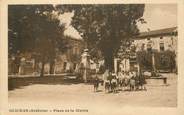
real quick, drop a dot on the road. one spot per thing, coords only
(81, 95)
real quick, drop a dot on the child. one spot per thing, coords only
(96, 83)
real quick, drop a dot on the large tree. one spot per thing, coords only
(33, 28)
(105, 27)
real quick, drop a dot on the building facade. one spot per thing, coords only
(159, 41)
(69, 60)
(64, 62)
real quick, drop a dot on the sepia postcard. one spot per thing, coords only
(91, 57)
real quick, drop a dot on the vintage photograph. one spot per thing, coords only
(92, 55)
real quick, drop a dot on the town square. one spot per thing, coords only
(79, 94)
(81, 55)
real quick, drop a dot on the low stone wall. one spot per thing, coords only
(19, 82)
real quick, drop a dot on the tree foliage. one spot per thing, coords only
(104, 27)
(164, 60)
(33, 28)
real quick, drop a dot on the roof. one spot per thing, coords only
(154, 33)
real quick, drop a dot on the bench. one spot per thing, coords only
(163, 78)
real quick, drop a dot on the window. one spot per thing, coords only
(75, 50)
(172, 40)
(64, 65)
(149, 45)
(142, 47)
(74, 66)
(161, 46)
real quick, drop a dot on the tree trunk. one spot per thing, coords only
(51, 71)
(42, 69)
(109, 62)
(36, 66)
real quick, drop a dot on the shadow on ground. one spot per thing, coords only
(14, 83)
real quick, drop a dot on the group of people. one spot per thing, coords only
(123, 81)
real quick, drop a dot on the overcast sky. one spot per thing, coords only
(157, 16)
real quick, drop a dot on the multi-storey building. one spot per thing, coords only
(157, 40)
(160, 40)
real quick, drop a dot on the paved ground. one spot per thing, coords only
(82, 95)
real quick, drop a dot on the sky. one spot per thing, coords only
(157, 16)
(71, 31)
